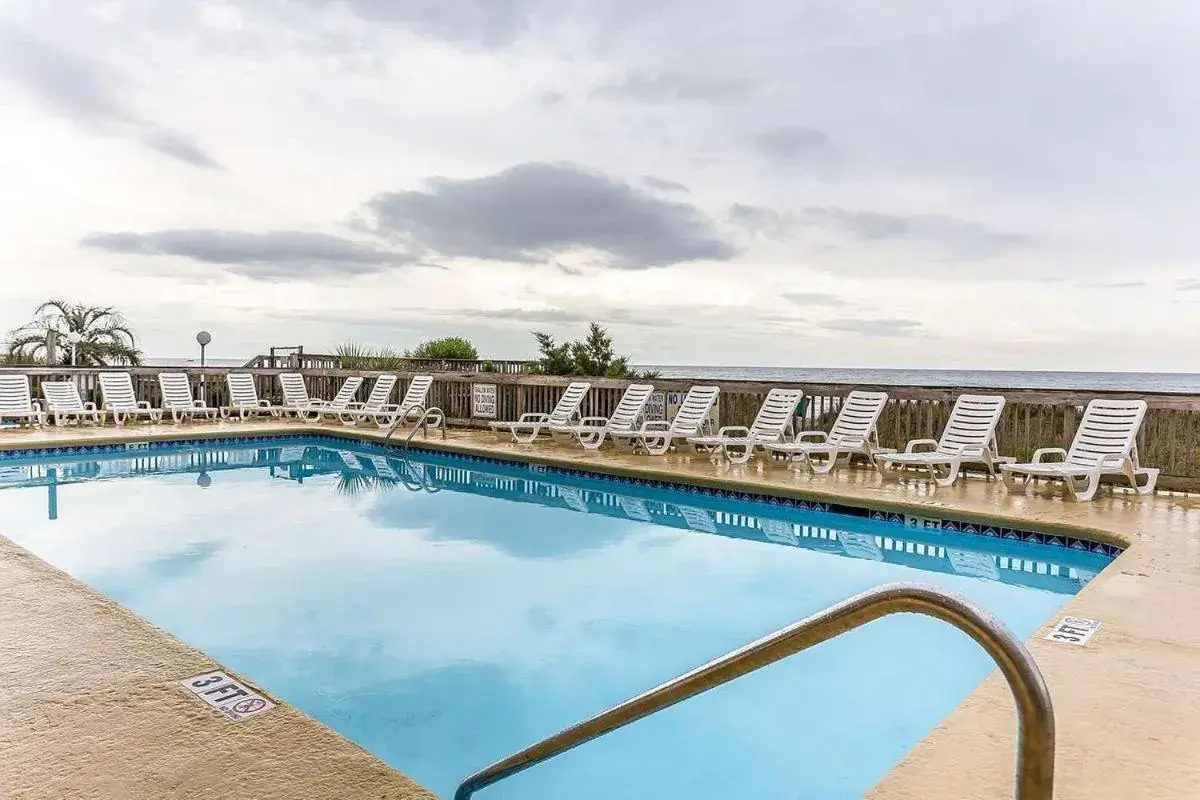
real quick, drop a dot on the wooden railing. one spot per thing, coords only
(307, 361)
(1169, 439)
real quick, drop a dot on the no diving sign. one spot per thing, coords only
(226, 695)
(1073, 630)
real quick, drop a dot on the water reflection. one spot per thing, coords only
(361, 471)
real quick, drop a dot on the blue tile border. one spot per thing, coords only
(928, 523)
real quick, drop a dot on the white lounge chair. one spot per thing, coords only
(295, 393)
(656, 437)
(64, 405)
(591, 431)
(529, 426)
(16, 402)
(1105, 443)
(339, 406)
(376, 402)
(120, 401)
(968, 438)
(775, 419)
(177, 398)
(411, 407)
(243, 398)
(853, 432)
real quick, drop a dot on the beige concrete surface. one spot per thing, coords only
(1127, 704)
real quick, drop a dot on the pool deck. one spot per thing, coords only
(94, 709)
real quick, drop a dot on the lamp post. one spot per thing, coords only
(74, 337)
(203, 338)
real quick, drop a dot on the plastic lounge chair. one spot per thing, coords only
(1105, 443)
(656, 437)
(529, 426)
(853, 432)
(591, 431)
(337, 407)
(773, 421)
(177, 398)
(411, 407)
(119, 400)
(243, 398)
(295, 393)
(968, 438)
(376, 402)
(63, 404)
(16, 403)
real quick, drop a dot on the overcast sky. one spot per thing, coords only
(909, 183)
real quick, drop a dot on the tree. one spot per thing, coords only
(449, 348)
(105, 338)
(592, 356)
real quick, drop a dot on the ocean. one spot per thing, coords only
(1175, 382)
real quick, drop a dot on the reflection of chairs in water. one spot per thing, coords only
(634, 508)
(698, 519)
(779, 531)
(573, 498)
(291, 455)
(382, 468)
(15, 474)
(350, 460)
(860, 545)
(975, 565)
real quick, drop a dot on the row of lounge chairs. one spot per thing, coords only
(1105, 442)
(63, 405)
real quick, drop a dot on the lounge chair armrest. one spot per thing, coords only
(1040, 454)
(533, 416)
(656, 425)
(90, 406)
(199, 404)
(733, 430)
(912, 446)
(355, 405)
(1111, 461)
(36, 405)
(264, 404)
(144, 405)
(819, 436)
(593, 422)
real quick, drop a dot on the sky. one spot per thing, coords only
(903, 183)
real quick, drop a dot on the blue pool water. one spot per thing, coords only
(443, 613)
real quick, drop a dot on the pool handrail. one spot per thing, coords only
(422, 424)
(1035, 712)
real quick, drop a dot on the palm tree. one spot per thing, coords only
(104, 337)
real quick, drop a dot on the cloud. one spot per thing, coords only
(481, 23)
(656, 88)
(264, 256)
(1124, 285)
(813, 299)
(1188, 286)
(551, 100)
(88, 92)
(873, 327)
(795, 143)
(535, 211)
(761, 222)
(962, 239)
(664, 185)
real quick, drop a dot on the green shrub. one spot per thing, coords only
(449, 348)
(591, 356)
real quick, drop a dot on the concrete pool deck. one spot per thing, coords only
(1127, 704)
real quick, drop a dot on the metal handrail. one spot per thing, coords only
(1035, 713)
(422, 422)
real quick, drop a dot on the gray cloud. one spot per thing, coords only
(664, 185)
(964, 239)
(1189, 286)
(535, 211)
(87, 92)
(556, 316)
(269, 255)
(766, 223)
(795, 143)
(179, 147)
(670, 85)
(873, 327)
(551, 100)
(814, 299)
(1124, 285)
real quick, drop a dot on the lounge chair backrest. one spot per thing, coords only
(295, 393)
(346, 393)
(62, 396)
(117, 388)
(176, 390)
(242, 391)
(1108, 428)
(776, 413)
(14, 394)
(856, 420)
(568, 405)
(972, 424)
(417, 392)
(627, 413)
(693, 412)
(381, 392)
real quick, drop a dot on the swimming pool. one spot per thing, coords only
(443, 612)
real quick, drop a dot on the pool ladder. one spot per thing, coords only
(422, 424)
(1035, 714)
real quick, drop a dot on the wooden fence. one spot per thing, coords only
(1169, 440)
(317, 361)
